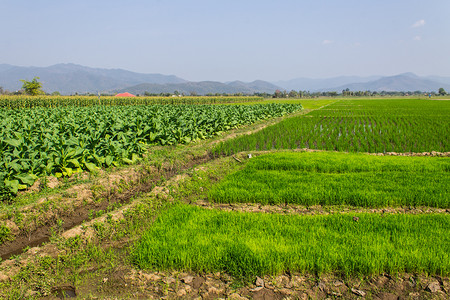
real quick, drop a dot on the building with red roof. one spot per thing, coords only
(125, 95)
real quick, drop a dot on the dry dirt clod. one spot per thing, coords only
(433, 287)
(356, 219)
(259, 282)
(381, 281)
(236, 296)
(188, 279)
(358, 292)
(338, 283)
(3, 277)
(197, 282)
(181, 293)
(322, 286)
(386, 296)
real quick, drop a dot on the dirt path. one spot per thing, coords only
(292, 209)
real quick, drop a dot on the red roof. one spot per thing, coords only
(125, 95)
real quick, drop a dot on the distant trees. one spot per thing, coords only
(442, 92)
(33, 87)
(278, 94)
(293, 94)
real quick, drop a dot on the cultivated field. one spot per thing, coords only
(333, 178)
(376, 126)
(298, 199)
(64, 140)
(12, 102)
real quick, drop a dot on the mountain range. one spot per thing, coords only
(204, 87)
(402, 82)
(71, 78)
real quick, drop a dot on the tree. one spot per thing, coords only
(293, 94)
(277, 94)
(33, 87)
(442, 92)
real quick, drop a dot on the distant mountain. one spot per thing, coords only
(403, 82)
(72, 78)
(4, 67)
(310, 84)
(203, 87)
(445, 80)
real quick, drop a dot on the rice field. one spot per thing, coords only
(376, 126)
(330, 178)
(249, 244)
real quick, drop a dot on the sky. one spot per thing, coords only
(231, 40)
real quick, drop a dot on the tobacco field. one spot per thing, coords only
(64, 140)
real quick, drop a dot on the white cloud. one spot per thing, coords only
(419, 23)
(417, 38)
(327, 42)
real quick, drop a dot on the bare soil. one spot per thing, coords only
(125, 282)
(293, 209)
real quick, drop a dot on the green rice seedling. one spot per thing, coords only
(190, 238)
(357, 126)
(330, 178)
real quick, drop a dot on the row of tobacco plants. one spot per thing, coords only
(63, 140)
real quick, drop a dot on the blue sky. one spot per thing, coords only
(231, 40)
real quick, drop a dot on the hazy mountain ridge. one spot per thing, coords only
(317, 84)
(402, 83)
(204, 87)
(72, 78)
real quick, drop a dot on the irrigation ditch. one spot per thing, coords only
(66, 220)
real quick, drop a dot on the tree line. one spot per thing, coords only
(34, 88)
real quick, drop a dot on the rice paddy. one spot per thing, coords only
(248, 244)
(330, 178)
(376, 126)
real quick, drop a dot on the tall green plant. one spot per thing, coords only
(33, 87)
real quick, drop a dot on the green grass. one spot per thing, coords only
(249, 244)
(330, 178)
(411, 125)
